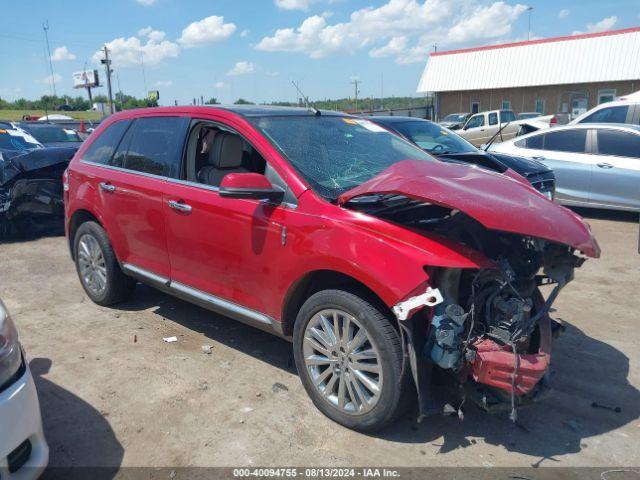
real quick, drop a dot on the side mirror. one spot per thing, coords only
(251, 186)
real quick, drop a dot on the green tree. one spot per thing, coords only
(242, 101)
(213, 101)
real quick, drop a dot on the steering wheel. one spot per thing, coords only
(438, 148)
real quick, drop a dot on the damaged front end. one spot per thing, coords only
(483, 334)
(31, 196)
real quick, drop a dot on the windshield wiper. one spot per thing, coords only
(499, 132)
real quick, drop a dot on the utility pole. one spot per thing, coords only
(107, 65)
(381, 91)
(45, 27)
(355, 81)
(529, 29)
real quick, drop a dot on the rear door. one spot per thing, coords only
(565, 152)
(616, 175)
(130, 186)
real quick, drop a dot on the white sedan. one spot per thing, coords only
(24, 453)
(596, 165)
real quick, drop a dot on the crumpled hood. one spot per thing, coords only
(14, 162)
(496, 201)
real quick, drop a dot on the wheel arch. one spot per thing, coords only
(324, 279)
(79, 217)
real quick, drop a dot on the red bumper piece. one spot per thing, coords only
(494, 364)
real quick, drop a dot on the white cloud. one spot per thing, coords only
(606, 23)
(146, 3)
(245, 32)
(62, 53)
(564, 13)
(395, 46)
(241, 68)
(220, 85)
(153, 35)
(294, 4)
(164, 83)
(389, 28)
(272, 73)
(47, 80)
(208, 30)
(128, 52)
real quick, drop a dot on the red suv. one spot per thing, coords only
(384, 266)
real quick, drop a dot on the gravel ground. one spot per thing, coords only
(114, 394)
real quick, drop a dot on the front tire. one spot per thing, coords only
(349, 358)
(98, 268)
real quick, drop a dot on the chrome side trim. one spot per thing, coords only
(145, 275)
(216, 303)
(206, 300)
(151, 175)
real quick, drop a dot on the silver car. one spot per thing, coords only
(596, 165)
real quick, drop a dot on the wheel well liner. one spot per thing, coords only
(316, 281)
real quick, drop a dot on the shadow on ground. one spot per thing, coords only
(78, 435)
(613, 215)
(584, 370)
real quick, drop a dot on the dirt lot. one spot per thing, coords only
(110, 400)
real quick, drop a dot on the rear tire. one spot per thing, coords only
(98, 268)
(352, 372)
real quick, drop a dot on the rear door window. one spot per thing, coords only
(493, 118)
(156, 146)
(566, 141)
(618, 143)
(609, 115)
(102, 148)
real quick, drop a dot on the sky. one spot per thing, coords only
(254, 49)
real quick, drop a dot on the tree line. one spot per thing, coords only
(126, 102)
(121, 100)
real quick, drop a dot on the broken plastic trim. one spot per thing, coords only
(430, 298)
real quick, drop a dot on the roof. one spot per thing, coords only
(394, 119)
(273, 111)
(593, 57)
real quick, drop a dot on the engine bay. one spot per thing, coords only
(491, 333)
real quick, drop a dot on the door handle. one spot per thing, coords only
(179, 206)
(538, 157)
(107, 187)
(605, 165)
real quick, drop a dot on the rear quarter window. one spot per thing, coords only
(102, 148)
(531, 142)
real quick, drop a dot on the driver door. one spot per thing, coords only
(224, 247)
(475, 130)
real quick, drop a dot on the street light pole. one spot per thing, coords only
(529, 29)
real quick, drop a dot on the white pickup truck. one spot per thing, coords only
(481, 127)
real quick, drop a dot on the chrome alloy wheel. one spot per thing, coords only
(343, 361)
(93, 268)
